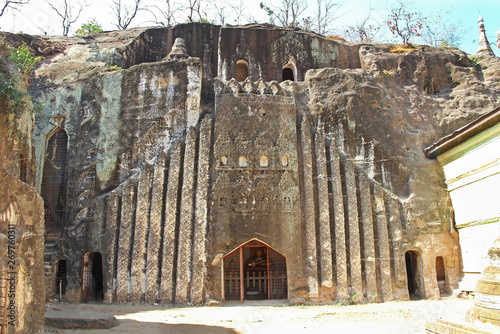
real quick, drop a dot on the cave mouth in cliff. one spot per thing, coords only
(289, 72)
(92, 279)
(255, 271)
(414, 275)
(241, 70)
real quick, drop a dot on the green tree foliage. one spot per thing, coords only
(23, 59)
(91, 27)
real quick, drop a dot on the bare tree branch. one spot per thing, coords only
(167, 9)
(326, 14)
(287, 13)
(124, 14)
(68, 13)
(12, 4)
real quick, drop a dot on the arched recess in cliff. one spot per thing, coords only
(92, 277)
(255, 271)
(53, 188)
(414, 274)
(289, 72)
(241, 70)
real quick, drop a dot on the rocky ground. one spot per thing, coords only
(273, 317)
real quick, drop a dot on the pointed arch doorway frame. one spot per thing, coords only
(254, 270)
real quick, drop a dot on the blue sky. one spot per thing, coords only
(38, 18)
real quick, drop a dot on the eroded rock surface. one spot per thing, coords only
(325, 171)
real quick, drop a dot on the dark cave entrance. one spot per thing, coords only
(414, 275)
(92, 279)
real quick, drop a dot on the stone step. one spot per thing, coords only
(58, 318)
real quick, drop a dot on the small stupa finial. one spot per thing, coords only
(484, 47)
(178, 50)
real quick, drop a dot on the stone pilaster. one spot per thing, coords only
(155, 224)
(383, 244)
(339, 220)
(396, 230)
(354, 237)
(201, 213)
(368, 239)
(138, 265)
(124, 243)
(109, 244)
(183, 278)
(325, 238)
(171, 204)
(309, 210)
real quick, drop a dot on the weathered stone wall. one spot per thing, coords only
(165, 194)
(255, 191)
(21, 219)
(116, 123)
(267, 49)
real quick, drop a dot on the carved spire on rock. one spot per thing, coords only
(178, 50)
(484, 46)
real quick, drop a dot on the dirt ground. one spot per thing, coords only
(274, 317)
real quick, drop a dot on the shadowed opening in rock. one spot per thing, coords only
(441, 277)
(241, 70)
(414, 275)
(61, 280)
(92, 279)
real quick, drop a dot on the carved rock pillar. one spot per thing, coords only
(401, 284)
(201, 213)
(109, 243)
(186, 220)
(325, 239)
(338, 212)
(309, 209)
(126, 227)
(383, 245)
(368, 239)
(171, 203)
(138, 264)
(155, 225)
(354, 237)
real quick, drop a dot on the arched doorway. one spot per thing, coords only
(255, 271)
(92, 279)
(441, 277)
(241, 70)
(289, 72)
(61, 280)
(54, 183)
(414, 275)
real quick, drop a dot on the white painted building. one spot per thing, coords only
(471, 162)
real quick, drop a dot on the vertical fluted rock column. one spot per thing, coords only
(183, 278)
(309, 210)
(368, 239)
(383, 245)
(109, 242)
(171, 205)
(396, 230)
(339, 219)
(124, 243)
(354, 237)
(325, 238)
(138, 267)
(201, 212)
(154, 238)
